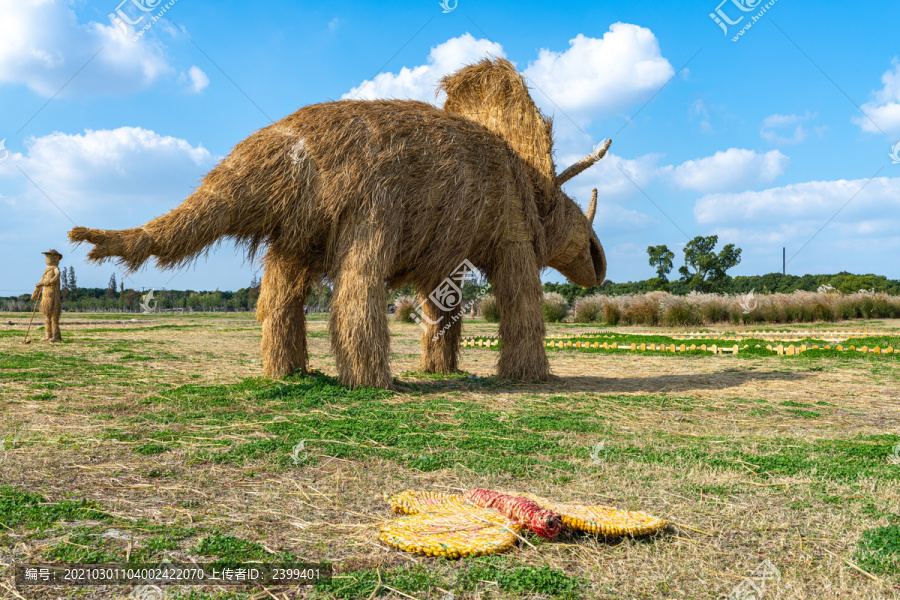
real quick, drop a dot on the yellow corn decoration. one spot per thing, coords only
(447, 525)
(602, 520)
(452, 535)
(411, 502)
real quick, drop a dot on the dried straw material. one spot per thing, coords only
(451, 535)
(582, 165)
(411, 502)
(48, 288)
(386, 193)
(494, 94)
(440, 347)
(602, 520)
(285, 287)
(523, 511)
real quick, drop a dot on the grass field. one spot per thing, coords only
(157, 438)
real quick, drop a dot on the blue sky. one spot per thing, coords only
(781, 138)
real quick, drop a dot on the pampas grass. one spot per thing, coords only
(589, 309)
(662, 308)
(404, 306)
(487, 308)
(554, 307)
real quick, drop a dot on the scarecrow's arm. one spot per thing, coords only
(51, 276)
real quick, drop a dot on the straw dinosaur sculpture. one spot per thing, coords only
(369, 194)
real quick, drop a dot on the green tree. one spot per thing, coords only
(253, 291)
(239, 300)
(194, 299)
(64, 284)
(111, 286)
(73, 284)
(320, 295)
(704, 270)
(661, 259)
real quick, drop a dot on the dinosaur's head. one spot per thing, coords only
(574, 249)
(577, 253)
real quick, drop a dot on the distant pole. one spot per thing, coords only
(784, 260)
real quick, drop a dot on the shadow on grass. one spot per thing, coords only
(721, 380)
(669, 383)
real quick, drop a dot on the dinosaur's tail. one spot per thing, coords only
(174, 239)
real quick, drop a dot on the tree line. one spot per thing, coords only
(704, 270)
(116, 297)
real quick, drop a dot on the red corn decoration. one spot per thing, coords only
(523, 511)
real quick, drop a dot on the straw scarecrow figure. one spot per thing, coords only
(373, 195)
(50, 302)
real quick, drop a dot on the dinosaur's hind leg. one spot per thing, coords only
(440, 340)
(285, 286)
(360, 338)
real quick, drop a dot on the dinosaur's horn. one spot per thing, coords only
(583, 164)
(592, 207)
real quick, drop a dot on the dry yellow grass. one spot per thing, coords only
(726, 521)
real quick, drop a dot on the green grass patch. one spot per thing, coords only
(844, 461)
(87, 545)
(470, 577)
(23, 509)
(74, 371)
(426, 433)
(101, 544)
(446, 430)
(147, 328)
(151, 448)
(878, 550)
(230, 550)
(806, 414)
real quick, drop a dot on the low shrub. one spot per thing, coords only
(589, 309)
(662, 308)
(554, 307)
(612, 314)
(404, 307)
(488, 309)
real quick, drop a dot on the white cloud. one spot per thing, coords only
(199, 80)
(882, 113)
(699, 109)
(813, 201)
(419, 83)
(595, 77)
(602, 76)
(772, 123)
(612, 217)
(617, 178)
(732, 169)
(121, 169)
(612, 176)
(333, 24)
(42, 46)
(112, 179)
